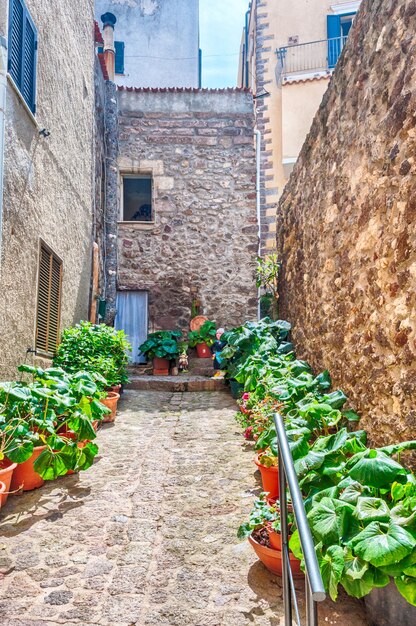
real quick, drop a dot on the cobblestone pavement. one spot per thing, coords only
(147, 536)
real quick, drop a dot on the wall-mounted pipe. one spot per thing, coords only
(257, 134)
(3, 88)
(245, 66)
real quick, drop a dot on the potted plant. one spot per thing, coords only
(202, 339)
(36, 419)
(161, 346)
(263, 532)
(95, 348)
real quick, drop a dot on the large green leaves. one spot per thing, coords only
(332, 565)
(407, 587)
(375, 469)
(329, 519)
(383, 544)
(372, 509)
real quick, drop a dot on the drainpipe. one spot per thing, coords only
(3, 85)
(257, 134)
(108, 20)
(245, 69)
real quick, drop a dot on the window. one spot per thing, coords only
(338, 27)
(119, 60)
(137, 199)
(49, 301)
(22, 53)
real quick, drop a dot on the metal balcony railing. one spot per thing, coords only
(314, 587)
(312, 56)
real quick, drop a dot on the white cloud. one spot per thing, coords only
(221, 27)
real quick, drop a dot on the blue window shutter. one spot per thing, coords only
(333, 23)
(16, 30)
(29, 63)
(22, 53)
(119, 61)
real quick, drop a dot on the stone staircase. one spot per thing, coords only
(198, 378)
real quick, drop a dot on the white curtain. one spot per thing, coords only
(132, 318)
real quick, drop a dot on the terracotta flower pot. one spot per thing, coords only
(111, 403)
(160, 367)
(275, 539)
(24, 476)
(269, 478)
(272, 559)
(6, 472)
(2, 490)
(203, 351)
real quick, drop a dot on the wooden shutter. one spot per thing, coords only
(49, 301)
(119, 57)
(22, 56)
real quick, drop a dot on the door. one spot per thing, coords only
(132, 317)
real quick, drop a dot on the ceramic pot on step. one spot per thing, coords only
(24, 476)
(160, 367)
(6, 472)
(269, 478)
(203, 351)
(111, 403)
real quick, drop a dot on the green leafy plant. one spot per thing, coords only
(162, 344)
(361, 502)
(206, 334)
(94, 348)
(54, 409)
(268, 278)
(265, 515)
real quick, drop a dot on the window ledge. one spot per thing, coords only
(23, 101)
(138, 225)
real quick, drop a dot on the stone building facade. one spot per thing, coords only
(346, 228)
(157, 42)
(288, 52)
(48, 172)
(202, 239)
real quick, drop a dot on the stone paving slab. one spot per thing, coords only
(147, 536)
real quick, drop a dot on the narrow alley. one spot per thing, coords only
(147, 535)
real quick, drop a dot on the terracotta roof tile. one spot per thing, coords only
(183, 89)
(98, 38)
(103, 65)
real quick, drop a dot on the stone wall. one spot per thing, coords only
(346, 226)
(48, 181)
(199, 148)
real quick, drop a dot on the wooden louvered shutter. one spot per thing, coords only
(49, 301)
(119, 57)
(16, 28)
(22, 56)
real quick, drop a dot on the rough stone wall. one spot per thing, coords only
(199, 148)
(347, 224)
(100, 170)
(48, 181)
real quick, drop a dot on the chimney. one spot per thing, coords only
(108, 20)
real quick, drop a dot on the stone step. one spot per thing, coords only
(174, 384)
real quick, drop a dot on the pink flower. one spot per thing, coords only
(245, 396)
(248, 432)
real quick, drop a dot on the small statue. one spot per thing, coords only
(183, 357)
(216, 348)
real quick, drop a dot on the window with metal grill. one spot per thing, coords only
(22, 52)
(49, 301)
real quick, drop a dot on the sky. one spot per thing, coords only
(221, 27)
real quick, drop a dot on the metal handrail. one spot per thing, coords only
(314, 587)
(319, 55)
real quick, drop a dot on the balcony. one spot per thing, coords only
(310, 57)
